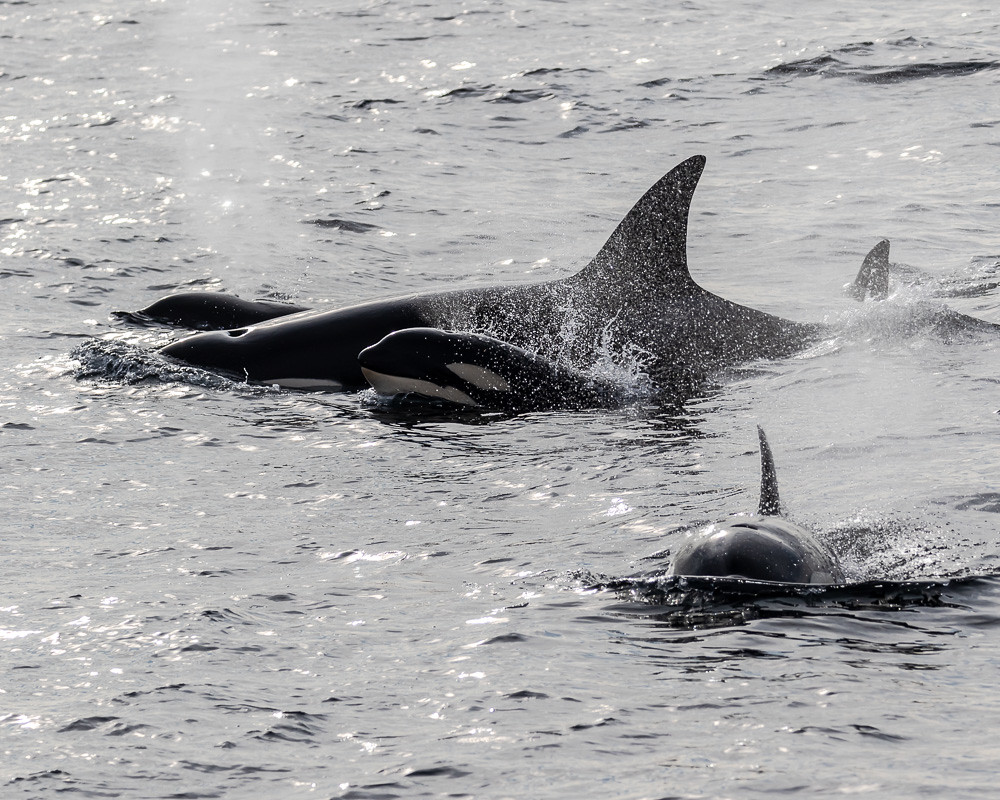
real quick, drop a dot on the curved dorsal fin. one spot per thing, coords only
(770, 504)
(649, 246)
(873, 277)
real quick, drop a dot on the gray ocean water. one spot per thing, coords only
(218, 590)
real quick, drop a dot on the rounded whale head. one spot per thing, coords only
(757, 549)
(760, 547)
(477, 371)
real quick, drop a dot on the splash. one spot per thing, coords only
(909, 315)
(625, 365)
(566, 336)
(115, 361)
(899, 548)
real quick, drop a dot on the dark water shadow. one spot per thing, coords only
(696, 603)
(662, 410)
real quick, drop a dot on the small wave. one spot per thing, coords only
(521, 96)
(347, 225)
(531, 73)
(371, 102)
(464, 92)
(830, 66)
(491, 93)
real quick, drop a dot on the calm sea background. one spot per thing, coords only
(214, 590)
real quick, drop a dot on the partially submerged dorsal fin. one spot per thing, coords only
(649, 246)
(873, 277)
(770, 504)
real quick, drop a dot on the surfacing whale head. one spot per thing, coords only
(761, 547)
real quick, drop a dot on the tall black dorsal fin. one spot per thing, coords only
(873, 277)
(770, 504)
(649, 246)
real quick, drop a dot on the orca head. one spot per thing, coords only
(468, 369)
(759, 547)
(756, 548)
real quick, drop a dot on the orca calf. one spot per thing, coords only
(209, 311)
(636, 293)
(478, 371)
(764, 547)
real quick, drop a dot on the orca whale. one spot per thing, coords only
(764, 547)
(873, 277)
(872, 282)
(210, 311)
(479, 371)
(636, 293)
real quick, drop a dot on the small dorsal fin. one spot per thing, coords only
(873, 277)
(649, 246)
(770, 504)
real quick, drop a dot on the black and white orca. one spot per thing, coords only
(209, 311)
(636, 293)
(764, 547)
(478, 371)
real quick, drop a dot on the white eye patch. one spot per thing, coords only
(394, 384)
(480, 377)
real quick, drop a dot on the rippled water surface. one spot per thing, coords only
(219, 590)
